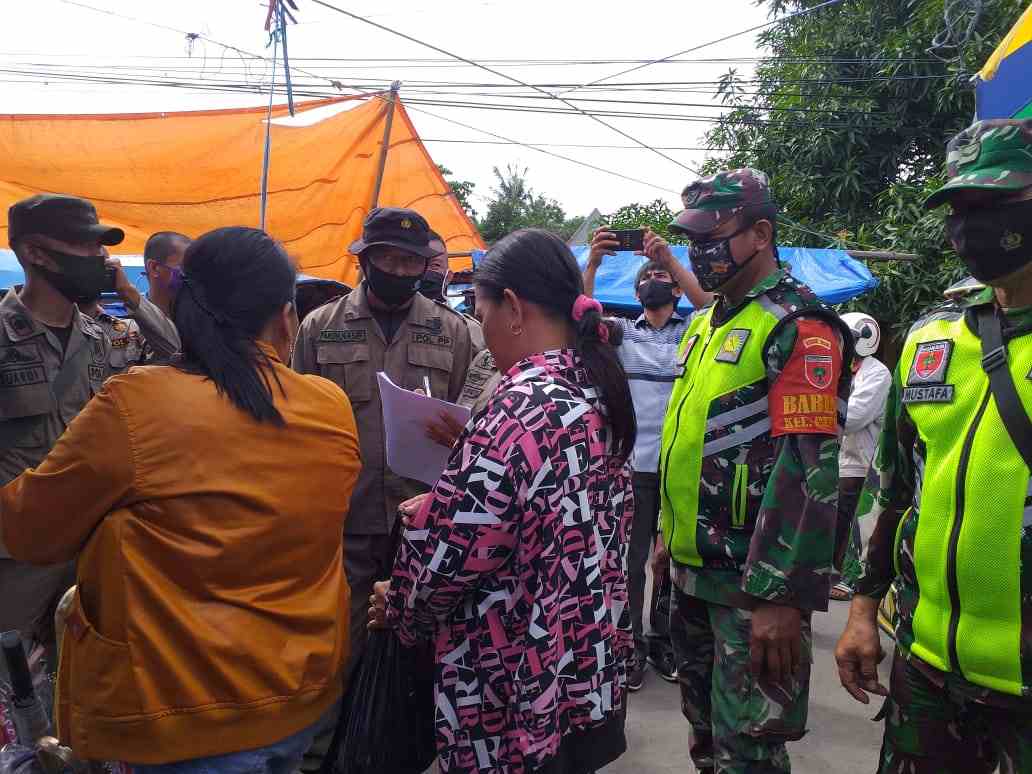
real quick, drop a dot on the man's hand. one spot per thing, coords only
(378, 605)
(603, 243)
(660, 558)
(658, 249)
(445, 431)
(123, 287)
(776, 646)
(859, 651)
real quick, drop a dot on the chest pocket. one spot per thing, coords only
(23, 414)
(433, 362)
(349, 366)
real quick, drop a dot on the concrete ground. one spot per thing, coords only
(841, 739)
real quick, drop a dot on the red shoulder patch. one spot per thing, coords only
(804, 399)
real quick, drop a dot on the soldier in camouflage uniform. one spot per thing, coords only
(749, 480)
(951, 494)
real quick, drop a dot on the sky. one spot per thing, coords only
(44, 37)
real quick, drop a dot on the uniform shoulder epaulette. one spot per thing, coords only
(324, 309)
(90, 326)
(446, 305)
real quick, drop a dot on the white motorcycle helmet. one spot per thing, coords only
(866, 332)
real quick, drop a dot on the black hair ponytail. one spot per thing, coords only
(234, 281)
(538, 267)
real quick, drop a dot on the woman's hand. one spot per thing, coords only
(411, 507)
(378, 605)
(445, 431)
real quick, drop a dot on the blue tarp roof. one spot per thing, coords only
(11, 274)
(832, 274)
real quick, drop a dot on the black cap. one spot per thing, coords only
(395, 227)
(67, 218)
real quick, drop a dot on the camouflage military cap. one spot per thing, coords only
(993, 155)
(712, 201)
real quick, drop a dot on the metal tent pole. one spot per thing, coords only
(385, 144)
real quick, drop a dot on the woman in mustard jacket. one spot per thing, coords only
(204, 501)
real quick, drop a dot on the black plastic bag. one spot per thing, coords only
(387, 722)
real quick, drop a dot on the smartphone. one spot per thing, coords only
(109, 279)
(630, 238)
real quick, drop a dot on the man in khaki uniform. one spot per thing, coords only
(52, 360)
(383, 325)
(126, 342)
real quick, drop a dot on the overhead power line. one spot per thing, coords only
(189, 36)
(564, 145)
(539, 149)
(509, 61)
(439, 50)
(693, 49)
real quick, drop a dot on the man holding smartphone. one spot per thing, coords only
(649, 356)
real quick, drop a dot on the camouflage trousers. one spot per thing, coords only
(946, 726)
(739, 723)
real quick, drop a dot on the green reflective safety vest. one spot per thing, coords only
(971, 505)
(715, 361)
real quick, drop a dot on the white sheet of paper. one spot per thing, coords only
(405, 416)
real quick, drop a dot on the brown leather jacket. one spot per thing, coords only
(211, 589)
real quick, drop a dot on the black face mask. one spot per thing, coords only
(995, 241)
(655, 294)
(81, 277)
(392, 289)
(432, 286)
(713, 262)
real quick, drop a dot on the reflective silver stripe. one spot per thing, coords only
(744, 435)
(742, 412)
(769, 306)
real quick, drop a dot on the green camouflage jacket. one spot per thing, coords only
(782, 551)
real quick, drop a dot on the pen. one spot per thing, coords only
(426, 385)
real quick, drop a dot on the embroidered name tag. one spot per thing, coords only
(931, 362)
(19, 377)
(19, 355)
(96, 373)
(431, 339)
(731, 350)
(343, 336)
(940, 393)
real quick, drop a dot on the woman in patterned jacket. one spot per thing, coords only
(514, 564)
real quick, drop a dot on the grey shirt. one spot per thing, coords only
(649, 357)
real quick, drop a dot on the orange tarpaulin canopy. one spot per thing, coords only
(192, 172)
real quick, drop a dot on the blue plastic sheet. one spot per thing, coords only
(11, 274)
(832, 274)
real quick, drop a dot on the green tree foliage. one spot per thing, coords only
(514, 205)
(463, 190)
(850, 117)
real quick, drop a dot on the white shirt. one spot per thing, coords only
(865, 417)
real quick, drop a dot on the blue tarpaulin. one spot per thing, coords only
(832, 274)
(11, 274)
